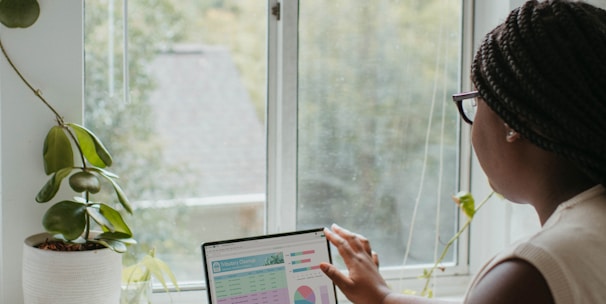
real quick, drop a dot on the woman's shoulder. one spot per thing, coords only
(511, 281)
(566, 254)
(575, 221)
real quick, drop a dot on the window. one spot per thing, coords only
(188, 121)
(377, 141)
(227, 122)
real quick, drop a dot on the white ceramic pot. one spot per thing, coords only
(92, 276)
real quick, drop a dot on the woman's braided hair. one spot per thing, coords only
(543, 71)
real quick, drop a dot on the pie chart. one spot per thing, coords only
(305, 295)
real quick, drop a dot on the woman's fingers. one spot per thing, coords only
(342, 281)
(349, 243)
(342, 244)
(363, 282)
(356, 241)
(375, 258)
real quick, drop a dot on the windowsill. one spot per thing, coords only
(182, 297)
(200, 297)
(451, 288)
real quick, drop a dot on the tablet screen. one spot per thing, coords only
(276, 268)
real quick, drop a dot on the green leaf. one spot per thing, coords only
(119, 192)
(115, 220)
(92, 148)
(98, 217)
(19, 13)
(104, 172)
(67, 218)
(135, 274)
(466, 202)
(84, 181)
(149, 264)
(158, 269)
(49, 190)
(117, 236)
(122, 197)
(57, 151)
(116, 246)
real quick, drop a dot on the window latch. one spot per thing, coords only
(275, 10)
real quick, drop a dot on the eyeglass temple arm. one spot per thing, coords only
(465, 95)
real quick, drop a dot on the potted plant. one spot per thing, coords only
(137, 279)
(74, 155)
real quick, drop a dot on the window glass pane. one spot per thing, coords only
(188, 136)
(377, 129)
(598, 3)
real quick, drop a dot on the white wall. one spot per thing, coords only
(49, 54)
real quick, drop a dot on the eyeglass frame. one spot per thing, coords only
(458, 100)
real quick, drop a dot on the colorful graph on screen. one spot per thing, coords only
(305, 295)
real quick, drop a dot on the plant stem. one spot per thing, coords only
(59, 119)
(429, 273)
(87, 225)
(36, 92)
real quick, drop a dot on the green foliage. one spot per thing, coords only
(275, 259)
(19, 13)
(147, 267)
(368, 67)
(67, 218)
(369, 72)
(136, 279)
(71, 220)
(84, 181)
(57, 151)
(92, 148)
(125, 124)
(51, 187)
(465, 201)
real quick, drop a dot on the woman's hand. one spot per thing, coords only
(364, 284)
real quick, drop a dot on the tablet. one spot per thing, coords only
(275, 268)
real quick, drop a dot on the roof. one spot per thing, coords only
(207, 122)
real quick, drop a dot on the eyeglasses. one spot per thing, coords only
(467, 105)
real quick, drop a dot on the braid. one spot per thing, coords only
(543, 71)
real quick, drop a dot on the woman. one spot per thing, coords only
(539, 132)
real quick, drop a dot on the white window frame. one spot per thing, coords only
(282, 54)
(58, 34)
(282, 140)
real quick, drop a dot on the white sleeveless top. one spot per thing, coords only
(569, 250)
